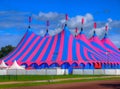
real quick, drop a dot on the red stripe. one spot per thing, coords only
(43, 51)
(78, 53)
(86, 54)
(60, 52)
(11, 53)
(49, 58)
(13, 58)
(28, 50)
(70, 49)
(92, 54)
(35, 51)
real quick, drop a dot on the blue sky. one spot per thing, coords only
(14, 15)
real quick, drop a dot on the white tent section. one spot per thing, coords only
(15, 66)
(3, 65)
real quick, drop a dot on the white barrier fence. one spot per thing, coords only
(58, 71)
(55, 71)
(96, 71)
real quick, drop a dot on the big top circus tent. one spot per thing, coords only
(64, 50)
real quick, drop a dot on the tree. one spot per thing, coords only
(5, 50)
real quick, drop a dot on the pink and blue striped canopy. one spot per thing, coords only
(62, 48)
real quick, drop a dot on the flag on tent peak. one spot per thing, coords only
(82, 21)
(30, 19)
(76, 30)
(95, 25)
(105, 35)
(66, 17)
(106, 27)
(81, 32)
(47, 23)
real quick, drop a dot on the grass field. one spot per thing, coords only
(33, 80)
(5, 78)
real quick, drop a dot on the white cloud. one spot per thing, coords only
(88, 17)
(115, 39)
(115, 24)
(99, 31)
(50, 15)
(76, 21)
(109, 20)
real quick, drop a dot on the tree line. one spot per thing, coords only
(5, 50)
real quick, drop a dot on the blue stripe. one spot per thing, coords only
(65, 48)
(89, 55)
(98, 46)
(103, 54)
(74, 56)
(116, 56)
(86, 45)
(26, 48)
(108, 46)
(100, 56)
(55, 54)
(96, 58)
(40, 50)
(22, 44)
(48, 49)
(32, 50)
(82, 53)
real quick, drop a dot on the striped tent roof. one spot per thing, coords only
(60, 48)
(112, 49)
(96, 42)
(93, 52)
(108, 44)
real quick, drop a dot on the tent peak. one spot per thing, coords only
(46, 34)
(81, 32)
(105, 36)
(65, 27)
(94, 33)
(3, 65)
(15, 66)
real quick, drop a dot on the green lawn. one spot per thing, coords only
(5, 78)
(27, 78)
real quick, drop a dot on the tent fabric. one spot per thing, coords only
(112, 49)
(62, 49)
(92, 51)
(96, 42)
(3, 65)
(15, 66)
(59, 49)
(109, 45)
